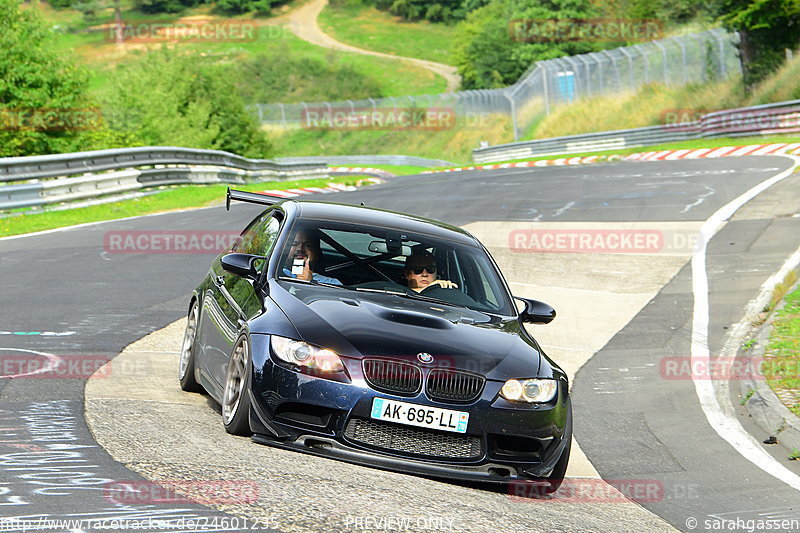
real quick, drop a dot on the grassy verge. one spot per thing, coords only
(172, 198)
(783, 350)
(453, 144)
(366, 27)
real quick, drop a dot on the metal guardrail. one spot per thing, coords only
(768, 119)
(48, 179)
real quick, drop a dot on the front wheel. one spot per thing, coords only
(188, 352)
(236, 399)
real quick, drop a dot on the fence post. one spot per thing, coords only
(630, 67)
(513, 107)
(722, 67)
(663, 60)
(683, 58)
(546, 92)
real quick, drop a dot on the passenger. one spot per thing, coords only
(420, 272)
(305, 249)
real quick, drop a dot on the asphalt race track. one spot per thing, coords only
(70, 295)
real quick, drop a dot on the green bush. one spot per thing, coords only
(288, 77)
(40, 91)
(172, 99)
(492, 48)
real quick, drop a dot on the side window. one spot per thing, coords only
(259, 237)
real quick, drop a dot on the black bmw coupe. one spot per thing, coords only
(378, 338)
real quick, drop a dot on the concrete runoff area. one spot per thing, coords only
(141, 417)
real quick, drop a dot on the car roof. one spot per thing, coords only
(371, 216)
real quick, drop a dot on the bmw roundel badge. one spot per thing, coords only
(425, 357)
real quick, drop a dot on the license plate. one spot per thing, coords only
(419, 415)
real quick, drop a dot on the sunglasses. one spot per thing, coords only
(418, 269)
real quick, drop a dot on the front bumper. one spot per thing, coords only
(323, 417)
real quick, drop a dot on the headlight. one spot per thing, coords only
(529, 390)
(303, 354)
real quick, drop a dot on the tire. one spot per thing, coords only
(188, 352)
(236, 398)
(556, 478)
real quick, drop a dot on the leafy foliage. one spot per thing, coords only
(172, 99)
(434, 11)
(767, 28)
(493, 48)
(39, 89)
(165, 6)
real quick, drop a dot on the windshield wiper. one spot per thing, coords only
(417, 296)
(381, 291)
(411, 295)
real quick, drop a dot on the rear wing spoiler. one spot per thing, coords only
(252, 197)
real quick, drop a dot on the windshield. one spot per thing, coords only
(369, 259)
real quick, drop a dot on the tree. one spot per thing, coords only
(498, 42)
(42, 95)
(767, 28)
(172, 99)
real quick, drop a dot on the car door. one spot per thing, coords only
(233, 299)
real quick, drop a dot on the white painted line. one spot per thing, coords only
(52, 360)
(726, 425)
(39, 333)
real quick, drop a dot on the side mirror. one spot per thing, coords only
(536, 312)
(241, 264)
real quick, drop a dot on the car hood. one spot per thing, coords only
(356, 324)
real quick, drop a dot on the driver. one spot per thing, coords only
(305, 250)
(420, 272)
